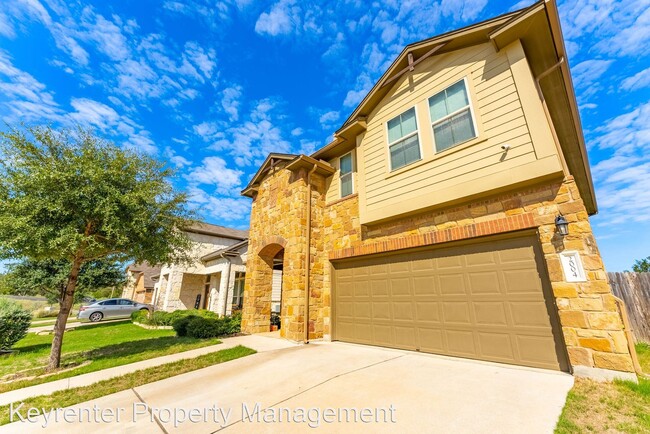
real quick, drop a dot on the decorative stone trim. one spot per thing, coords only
(151, 327)
(603, 375)
(343, 199)
(473, 230)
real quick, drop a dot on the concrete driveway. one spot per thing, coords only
(323, 383)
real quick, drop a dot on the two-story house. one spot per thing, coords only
(214, 280)
(449, 215)
(140, 282)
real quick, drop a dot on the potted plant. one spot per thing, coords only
(275, 322)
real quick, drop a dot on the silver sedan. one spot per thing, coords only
(112, 308)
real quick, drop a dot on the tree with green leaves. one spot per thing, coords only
(73, 196)
(641, 265)
(48, 278)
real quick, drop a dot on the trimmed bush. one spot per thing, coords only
(161, 318)
(141, 316)
(203, 328)
(14, 323)
(180, 325)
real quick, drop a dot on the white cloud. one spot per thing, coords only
(230, 101)
(93, 113)
(586, 73)
(631, 40)
(622, 178)
(177, 160)
(297, 132)
(219, 208)
(215, 171)
(638, 81)
(26, 98)
(105, 34)
(6, 28)
(462, 9)
(282, 19)
(328, 120)
(251, 139)
(203, 59)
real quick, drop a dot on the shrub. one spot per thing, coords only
(14, 323)
(161, 318)
(140, 316)
(180, 325)
(202, 328)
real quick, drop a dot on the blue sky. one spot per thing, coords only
(214, 86)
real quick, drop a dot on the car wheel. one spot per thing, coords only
(96, 317)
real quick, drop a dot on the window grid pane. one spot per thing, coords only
(402, 125)
(405, 152)
(346, 164)
(457, 129)
(346, 185)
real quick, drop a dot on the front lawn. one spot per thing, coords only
(88, 349)
(621, 406)
(68, 397)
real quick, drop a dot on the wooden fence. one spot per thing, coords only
(634, 290)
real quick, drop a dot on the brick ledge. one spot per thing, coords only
(490, 227)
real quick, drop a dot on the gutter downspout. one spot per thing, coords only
(225, 300)
(547, 113)
(308, 253)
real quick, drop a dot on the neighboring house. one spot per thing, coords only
(214, 281)
(429, 223)
(140, 282)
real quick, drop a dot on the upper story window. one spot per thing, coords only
(403, 140)
(345, 174)
(451, 116)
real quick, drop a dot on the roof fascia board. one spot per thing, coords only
(556, 31)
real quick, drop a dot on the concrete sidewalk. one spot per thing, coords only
(258, 343)
(71, 325)
(426, 394)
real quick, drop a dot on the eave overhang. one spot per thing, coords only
(539, 30)
(290, 162)
(308, 163)
(269, 163)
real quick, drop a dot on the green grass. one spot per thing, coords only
(92, 348)
(68, 397)
(621, 406)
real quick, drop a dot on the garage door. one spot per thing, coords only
(482, 301)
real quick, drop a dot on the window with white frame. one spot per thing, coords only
(403, 140)
(451, 116)
(345, 174)
(238, 290)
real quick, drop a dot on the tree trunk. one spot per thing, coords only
(65, 306)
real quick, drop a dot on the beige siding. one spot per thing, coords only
(334, 186)
(468, 168)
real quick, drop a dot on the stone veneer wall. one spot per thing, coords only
(278, 220)
(590, 319)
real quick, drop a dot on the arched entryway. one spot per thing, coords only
(264, 307)
(276, 291)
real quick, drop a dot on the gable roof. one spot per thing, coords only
(216, 230)
(226, 251)
(295, 162)
(147, 271)
(539, 30)
(268, 164)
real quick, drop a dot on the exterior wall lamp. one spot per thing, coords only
(562, 225)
